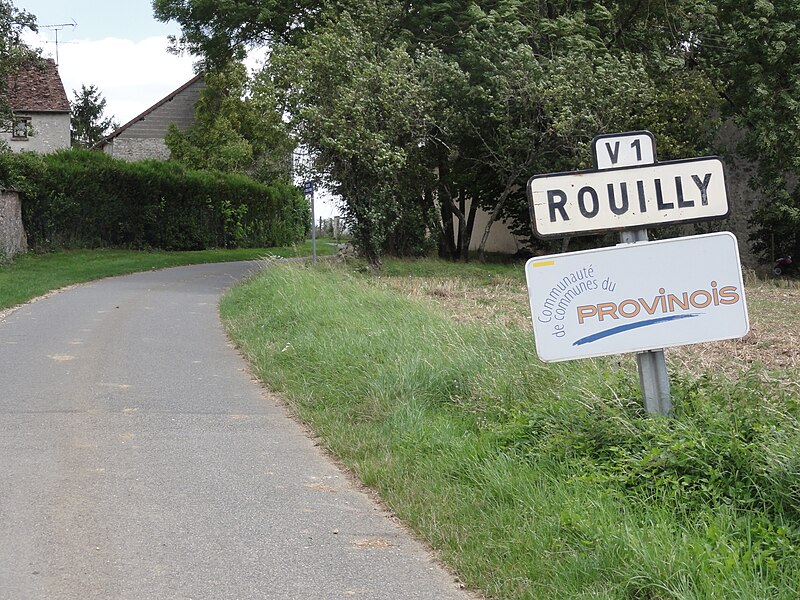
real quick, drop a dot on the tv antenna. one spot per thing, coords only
(58, 27)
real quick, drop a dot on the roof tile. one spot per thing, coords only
(37, 87)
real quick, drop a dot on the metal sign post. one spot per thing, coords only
(308, 190)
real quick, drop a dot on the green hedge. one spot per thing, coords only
(86, 199)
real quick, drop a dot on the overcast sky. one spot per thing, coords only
(119, 47)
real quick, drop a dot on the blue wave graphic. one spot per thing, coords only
(615, 330)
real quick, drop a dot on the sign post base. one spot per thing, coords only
(654, 382)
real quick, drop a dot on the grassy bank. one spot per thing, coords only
(32, 275)
(531, 480)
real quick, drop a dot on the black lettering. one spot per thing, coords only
(642, 197)
(623, 208)
(556, 199)
(679, 191)
(660, 197)
(638, 145)
(703, 187)
(584, 191)
(613, 154)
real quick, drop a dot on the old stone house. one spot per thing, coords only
(40, 109)
(143, 136)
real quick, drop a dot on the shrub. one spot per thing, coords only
(79, 198)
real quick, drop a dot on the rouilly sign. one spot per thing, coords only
(636, 297)
(659, 194)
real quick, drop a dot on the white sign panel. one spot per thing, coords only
(630, 197)
(624, 149)
(636, 297)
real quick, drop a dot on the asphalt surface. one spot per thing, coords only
(139, 460)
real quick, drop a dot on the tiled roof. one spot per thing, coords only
(37, 87)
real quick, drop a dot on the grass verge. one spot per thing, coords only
(32, 275)
(533, 480)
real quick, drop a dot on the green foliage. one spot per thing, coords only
(413, 112)
(220, 34)
(85, 199)
(726, 446)
(369, 120)
(753, 50)
(88, 126)
(235, 130)
(486, 94)
(533, 480)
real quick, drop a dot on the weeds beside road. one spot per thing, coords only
(534, 480)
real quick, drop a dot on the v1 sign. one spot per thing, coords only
(637, 297)
(624, 149)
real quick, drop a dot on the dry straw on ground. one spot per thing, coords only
(772, 346)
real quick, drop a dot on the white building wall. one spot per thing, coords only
(501, 240)
(49, 133)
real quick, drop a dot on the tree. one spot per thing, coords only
(752, 51)
(222, 34)
(414, 111)
(357, 104)
(13, 51)
(87, 123)
(238, 128)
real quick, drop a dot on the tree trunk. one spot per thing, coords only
(447, 246)
(473, 210)
(495, 216)
(449, 209)
(462, 230)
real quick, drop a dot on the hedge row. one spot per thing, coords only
(85, 199)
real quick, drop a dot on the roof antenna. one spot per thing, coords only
(58, 27)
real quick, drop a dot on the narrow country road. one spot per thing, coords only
(138, 460)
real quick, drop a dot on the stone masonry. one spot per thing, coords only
(13, 240)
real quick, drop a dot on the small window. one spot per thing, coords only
(21, 129)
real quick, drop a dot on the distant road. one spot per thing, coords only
(139, 460)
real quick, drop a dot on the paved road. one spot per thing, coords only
(138, 460)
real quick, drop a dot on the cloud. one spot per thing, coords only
(131, 76)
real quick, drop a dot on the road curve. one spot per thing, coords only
(138, 460)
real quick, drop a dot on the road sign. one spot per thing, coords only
(639, 196)
(624, 149)
(308, 188)
(637, 297)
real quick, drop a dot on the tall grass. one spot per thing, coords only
(533, 480)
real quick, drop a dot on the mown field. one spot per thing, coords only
(534, 480)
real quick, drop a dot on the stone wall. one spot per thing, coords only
(13, 240)
(133, 149)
